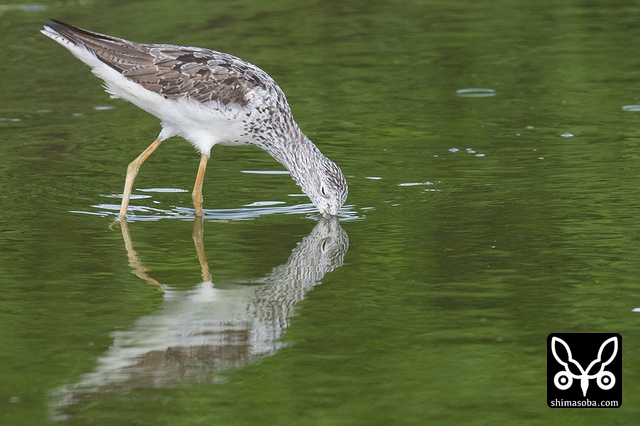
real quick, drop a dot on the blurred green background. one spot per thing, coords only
(477, 224)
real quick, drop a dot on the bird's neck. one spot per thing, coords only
(298, 154)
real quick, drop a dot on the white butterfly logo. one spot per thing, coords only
(564, 379)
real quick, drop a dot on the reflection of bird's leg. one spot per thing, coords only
(138, 269)
(198, 234)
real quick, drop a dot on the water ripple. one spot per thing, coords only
(250, 211)
(475, 92)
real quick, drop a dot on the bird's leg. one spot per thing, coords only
(196, 195)
(132, 172)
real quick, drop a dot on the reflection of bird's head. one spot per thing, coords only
(325, 246)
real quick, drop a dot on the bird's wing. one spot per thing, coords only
(172, 71)
(201, 74)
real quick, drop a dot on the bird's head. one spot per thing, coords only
(326, 186)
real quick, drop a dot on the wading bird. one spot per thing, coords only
(208, 98)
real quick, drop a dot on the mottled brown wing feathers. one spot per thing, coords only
(172, 71)
(201, 74)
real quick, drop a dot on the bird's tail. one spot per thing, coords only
(113, 51)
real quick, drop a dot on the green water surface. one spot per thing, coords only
(478, 221)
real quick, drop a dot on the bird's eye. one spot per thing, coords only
(323, 192)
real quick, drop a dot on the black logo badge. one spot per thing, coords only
(584, 370)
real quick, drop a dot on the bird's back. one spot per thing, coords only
(172, 71)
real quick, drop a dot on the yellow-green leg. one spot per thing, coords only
(132, 172)
(196, 195)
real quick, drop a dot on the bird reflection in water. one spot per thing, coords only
(210, 328)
